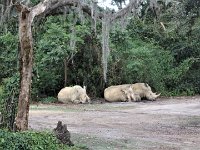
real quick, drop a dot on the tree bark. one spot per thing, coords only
(26, 65)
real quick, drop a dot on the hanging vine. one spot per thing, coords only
(79, 10)
(105, 44)
(94, 8)
(5, 10)
(72, 42)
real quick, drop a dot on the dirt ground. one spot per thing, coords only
(165, 124)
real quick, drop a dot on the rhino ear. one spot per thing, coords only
(84, 87)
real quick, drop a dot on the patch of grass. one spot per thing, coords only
(49, 100)
(84, 107)
(100, 143)
(52, 108)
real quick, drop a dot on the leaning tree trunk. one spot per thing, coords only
(26, 65)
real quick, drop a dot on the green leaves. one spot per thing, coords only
(30, 140)
(8, 54)
(8, 100)
(139, 61)
(60, 38)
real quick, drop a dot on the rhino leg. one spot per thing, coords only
(129, 98)
(137, 97)
(76, 101)
(89, 100)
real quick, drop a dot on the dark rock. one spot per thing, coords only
(62, 134)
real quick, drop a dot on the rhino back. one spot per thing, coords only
(67, 94)
(114, 94)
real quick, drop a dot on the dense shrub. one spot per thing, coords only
(134, 60)
(30, 140)
(8, 55)
(8, 99)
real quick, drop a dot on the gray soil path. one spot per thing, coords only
(165, 124)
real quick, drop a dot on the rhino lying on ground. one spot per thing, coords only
(141, 90)
(144, 91)
(118, 93)
(129, 92)
(75, 94)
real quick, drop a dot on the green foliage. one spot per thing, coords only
(52, 47)
(9, 100)
(30, 140)
(138, 61)
(1, 92)
(8, 55)
(179, 40)
(8, 71)
(35, 2)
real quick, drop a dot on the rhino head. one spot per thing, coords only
(128, 93)
(84, 97)
(152, 96)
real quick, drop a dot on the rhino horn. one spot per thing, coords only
(157, 95)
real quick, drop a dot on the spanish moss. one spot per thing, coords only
(93, 6)
(105, 44)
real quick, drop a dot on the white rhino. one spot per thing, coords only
(117, 93)
(142, 90)
(75, 94)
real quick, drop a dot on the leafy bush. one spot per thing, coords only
(52, 47)
(181, 39)
(8, 99)
(1, 92)
(134, 60)
(8, 55)
(30, 140)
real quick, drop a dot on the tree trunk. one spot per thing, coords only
(26, 65)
